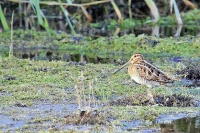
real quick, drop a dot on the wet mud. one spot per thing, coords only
(53, 113)
(190, 73)
(160, 100)
(91, 117)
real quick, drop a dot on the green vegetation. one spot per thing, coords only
(83, 12)
(187, 46)
(3, 20)
(44, 95)
(189, 19)
(29, 83)
(146, 113)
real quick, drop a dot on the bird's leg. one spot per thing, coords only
(150, 96)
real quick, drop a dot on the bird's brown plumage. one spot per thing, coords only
(145, 73)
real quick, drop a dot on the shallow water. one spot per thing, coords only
(19, 118)
(112, 58)
(55, 55)
(184, 123)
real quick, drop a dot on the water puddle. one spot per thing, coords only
(18, 118)
(181, 122)
(9, 123)
(54, 55)
(184, 125)
(61, 55)
(168, 119)
(24, 118)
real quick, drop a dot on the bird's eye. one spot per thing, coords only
(135, 56)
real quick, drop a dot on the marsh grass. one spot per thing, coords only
(35, 82)
(154, 10)
(11, 36)
(3, 19)
(82, 11)
(85, 100)
(43, 21)
(67, 16)
(144, 113)
(41, 17)
(124, 46)
(176, 10)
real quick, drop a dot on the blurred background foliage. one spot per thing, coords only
(80, 16)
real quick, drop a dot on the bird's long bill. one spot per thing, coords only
(121, 67)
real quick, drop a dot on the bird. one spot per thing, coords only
(145, 73)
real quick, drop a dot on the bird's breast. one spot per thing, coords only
(133, 72)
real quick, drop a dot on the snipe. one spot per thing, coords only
(145, 73)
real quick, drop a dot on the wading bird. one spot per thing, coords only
(145, 73)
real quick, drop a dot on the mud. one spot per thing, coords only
(160, 100)
(91, 117)
(37, 101)
(9, 77)
(192, 74)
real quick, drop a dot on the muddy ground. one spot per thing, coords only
(55, 95)
(60, 96)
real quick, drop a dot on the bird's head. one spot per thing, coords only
(136, 58)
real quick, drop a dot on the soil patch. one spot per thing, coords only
(86, 117)
(161, 100)
(191, 73)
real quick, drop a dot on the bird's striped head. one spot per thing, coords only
(136, 58)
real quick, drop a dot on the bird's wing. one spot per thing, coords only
(152, 73)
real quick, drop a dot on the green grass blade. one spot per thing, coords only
(41, 17)
(154, 9)
(3, 20)
(129, 9)
(66, 15)
(117, 10)
(11, 36)
(178, 16)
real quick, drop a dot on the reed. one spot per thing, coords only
(83, 12)
(154, 10)
(3, 20)
(117, 11)
(129, 9)
(67, 17)
(69, 3)
(11, 36)
(41, 17)
(190, 4)
(176, 10)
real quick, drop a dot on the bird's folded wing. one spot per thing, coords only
(152, 73)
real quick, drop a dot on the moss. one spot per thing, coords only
(130, 113)
(28, 81)
(128, 44)
(40, 79)
(37, 81)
